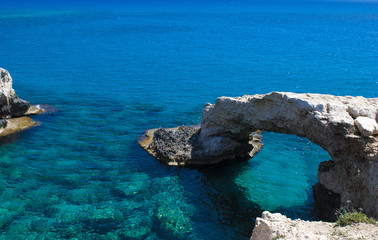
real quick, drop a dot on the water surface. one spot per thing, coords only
(118, 70)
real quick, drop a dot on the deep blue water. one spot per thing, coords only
(115, 70)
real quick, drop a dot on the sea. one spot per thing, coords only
(114, 69)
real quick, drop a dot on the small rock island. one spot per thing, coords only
(346, 127)
(14, 112)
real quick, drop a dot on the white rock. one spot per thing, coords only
(366, 126)
(10, 104)
(6, 84)
(277, 226)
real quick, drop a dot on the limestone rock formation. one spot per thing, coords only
(10, 104)
(326, 120)
(332, 122)
(13, 110)
(277, 226)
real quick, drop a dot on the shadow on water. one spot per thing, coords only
(231, 202)
(9, 139)
(227, 199)
(296, 212)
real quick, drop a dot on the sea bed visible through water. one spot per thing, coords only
(114, 73)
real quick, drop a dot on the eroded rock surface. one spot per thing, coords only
(277, 226)
(332, 122)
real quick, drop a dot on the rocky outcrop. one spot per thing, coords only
(277, 226)
(13, 110)
(184, 145)
(332, 122)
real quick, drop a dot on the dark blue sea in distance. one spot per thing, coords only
(115, 69)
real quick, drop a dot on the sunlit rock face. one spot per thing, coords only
(343, 126)
(10, 104)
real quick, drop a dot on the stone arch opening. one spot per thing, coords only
(282, 175)
(285, 170)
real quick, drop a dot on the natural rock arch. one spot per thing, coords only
(346, 127)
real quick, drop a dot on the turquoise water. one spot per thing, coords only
(117, 70)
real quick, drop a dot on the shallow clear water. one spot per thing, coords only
(115, 72)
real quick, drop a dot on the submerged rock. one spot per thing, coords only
(17, 124)
(332, 122)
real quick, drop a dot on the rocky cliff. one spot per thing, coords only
(346, 127)
(277, 226)
(13, 110)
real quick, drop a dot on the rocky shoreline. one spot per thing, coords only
(14, 112)
(277, 226)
